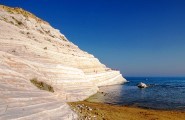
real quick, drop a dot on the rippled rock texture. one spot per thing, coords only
(31, 49)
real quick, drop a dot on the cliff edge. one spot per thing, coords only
(31, 49)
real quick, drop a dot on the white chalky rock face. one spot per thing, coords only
(31, 48)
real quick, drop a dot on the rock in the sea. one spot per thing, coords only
(142, 85)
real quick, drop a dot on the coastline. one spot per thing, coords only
(100, 111)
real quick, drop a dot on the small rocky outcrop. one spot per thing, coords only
(142, 85)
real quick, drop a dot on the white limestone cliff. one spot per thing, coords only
(31, 48)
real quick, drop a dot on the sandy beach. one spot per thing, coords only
(99, 111)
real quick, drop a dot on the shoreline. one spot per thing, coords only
(101, 111)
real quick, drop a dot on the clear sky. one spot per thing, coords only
(138, 37)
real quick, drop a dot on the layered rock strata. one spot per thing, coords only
(31, 48)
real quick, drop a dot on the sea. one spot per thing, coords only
(165, 93)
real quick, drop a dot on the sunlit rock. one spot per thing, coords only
(31, 48)
(142, 85)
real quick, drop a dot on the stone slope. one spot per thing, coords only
(31, 48)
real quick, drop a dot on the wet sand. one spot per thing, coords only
(99, 111)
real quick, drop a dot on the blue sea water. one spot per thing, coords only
(163, 93)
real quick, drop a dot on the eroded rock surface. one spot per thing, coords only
(31, 48)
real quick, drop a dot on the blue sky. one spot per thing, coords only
(138, 37)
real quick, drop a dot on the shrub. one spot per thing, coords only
(12, 22)
(10, 11)
(19, 23)
(42, 85)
